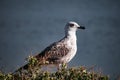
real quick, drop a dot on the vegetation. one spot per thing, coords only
(34, 72)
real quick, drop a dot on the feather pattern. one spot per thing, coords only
(54, 52)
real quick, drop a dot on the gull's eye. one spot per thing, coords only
(71, 25)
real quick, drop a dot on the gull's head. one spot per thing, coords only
(73, 26)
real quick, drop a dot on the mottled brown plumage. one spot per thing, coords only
(53, 53)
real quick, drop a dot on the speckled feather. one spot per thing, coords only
(53, 53)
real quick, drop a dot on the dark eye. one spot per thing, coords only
(71, 25)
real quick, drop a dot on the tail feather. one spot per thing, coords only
(25, 67)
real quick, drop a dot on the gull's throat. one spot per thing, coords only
(71, 35)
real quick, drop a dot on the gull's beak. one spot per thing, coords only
(81, 27)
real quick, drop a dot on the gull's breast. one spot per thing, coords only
(71, 45)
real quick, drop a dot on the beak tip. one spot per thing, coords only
(82, 27)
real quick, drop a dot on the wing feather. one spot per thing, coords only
(53, 53)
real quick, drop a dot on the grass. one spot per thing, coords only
(34, 72)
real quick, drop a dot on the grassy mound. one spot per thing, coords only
(34, 72)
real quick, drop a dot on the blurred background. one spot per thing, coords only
(28, 26)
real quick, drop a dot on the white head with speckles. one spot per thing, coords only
(71, 27)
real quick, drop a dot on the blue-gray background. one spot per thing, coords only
(28, 26)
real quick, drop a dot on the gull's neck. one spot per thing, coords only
(71, 35)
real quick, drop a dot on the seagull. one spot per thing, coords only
(63, 50)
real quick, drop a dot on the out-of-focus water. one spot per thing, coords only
(27, 27)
